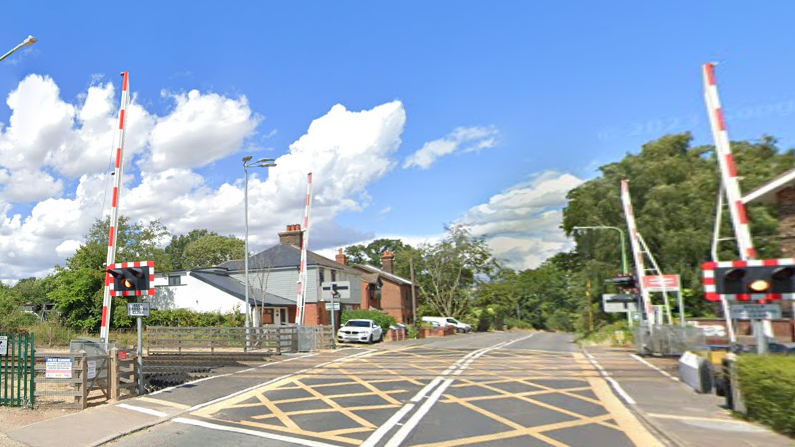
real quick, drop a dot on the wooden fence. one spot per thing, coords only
(276, 339)
(76, 379)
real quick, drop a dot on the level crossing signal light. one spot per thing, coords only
(772, 279)
(131, 280)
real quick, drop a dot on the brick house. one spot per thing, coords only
(382, 290)
(781, 193)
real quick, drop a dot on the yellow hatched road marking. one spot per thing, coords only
(362, 421)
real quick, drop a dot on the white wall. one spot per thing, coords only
(194, 295)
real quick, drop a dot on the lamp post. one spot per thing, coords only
(261, 163)
(624, 264)
(25, 43)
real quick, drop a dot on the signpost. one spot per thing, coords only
(139, 310)
(755, 311)
(334, 306)
(621, 303)
(3, 345)
(58, 368)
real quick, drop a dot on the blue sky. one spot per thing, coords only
(411, 115)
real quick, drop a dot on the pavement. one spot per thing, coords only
(674, 413)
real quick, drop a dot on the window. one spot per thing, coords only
(174, 280)
(322, 275)
(333, 275)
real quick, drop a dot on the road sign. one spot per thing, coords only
(661, 283)
(137, 309)
(3, 345)
(755, 311)
(336, 306)
(343, 288)
(621, 303)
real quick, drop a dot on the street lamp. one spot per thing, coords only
(26, 43)
(624, 264)
(261, 163)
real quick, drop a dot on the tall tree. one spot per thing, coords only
(212, 250)
(674, 187)
(177, 246)
(370, 254)
(450, 269)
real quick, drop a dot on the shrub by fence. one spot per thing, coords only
(767, 384)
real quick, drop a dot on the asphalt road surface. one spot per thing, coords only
(494, 389)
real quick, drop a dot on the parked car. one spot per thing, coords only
(360, 330)
(448, 321)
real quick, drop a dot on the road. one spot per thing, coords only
(495, 389)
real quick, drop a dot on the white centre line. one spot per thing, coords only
(456, 369)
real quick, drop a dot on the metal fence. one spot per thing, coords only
(16, 369)
(668, 340)
(313, 338)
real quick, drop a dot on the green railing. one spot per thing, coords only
(16, 370)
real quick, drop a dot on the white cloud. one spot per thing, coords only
(522, 224)
(56, 155)
(201, 129)
(465, 139)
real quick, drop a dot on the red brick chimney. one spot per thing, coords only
(388, 261)
(341, 257)
(293, 236)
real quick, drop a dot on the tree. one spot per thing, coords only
(674, 187)
(140, 241)
(78, 287)
(177, 246)
(212, 250)
(370, 254)
(30, 290)
(450, 270)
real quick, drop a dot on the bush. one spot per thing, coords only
(382, 319)
(515, 323)
(606, 335)
(767, 384)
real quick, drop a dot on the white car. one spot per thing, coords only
(360, 330)
(448, 321)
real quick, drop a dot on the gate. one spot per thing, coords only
(16, 370)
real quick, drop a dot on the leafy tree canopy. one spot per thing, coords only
(212, 250)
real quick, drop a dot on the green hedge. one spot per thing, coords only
(767, 384)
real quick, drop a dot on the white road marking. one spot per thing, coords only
(642, 360)
(456, 369)
(143, 410)
(606, 375)
(409, 426)
(260, 434)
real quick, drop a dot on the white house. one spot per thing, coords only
(273, 279)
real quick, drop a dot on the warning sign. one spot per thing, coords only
(3, 344)
(58, 368)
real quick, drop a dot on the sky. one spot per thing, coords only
(411, 116)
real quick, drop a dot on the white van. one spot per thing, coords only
(448, 321)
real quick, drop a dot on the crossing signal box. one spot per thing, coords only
(625, 282)
(768, 279)
(131, 278)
